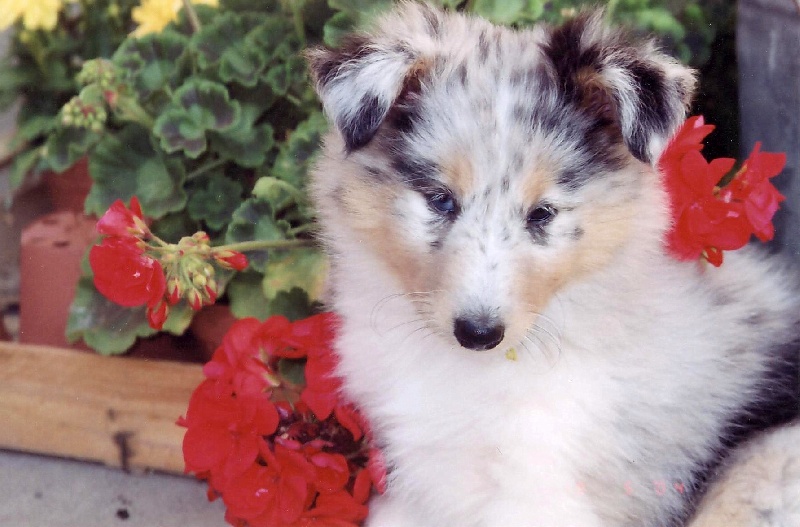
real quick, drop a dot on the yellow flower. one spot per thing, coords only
(153, 15)
(35, 14)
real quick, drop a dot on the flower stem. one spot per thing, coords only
(300, 229)
(130, 109)
(256, 245)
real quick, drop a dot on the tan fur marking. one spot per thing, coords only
(536, 182)
(458, 173)
(368, 207)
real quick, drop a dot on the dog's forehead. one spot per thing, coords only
(490, 109)
(491, 94)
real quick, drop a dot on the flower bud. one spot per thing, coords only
(157, 315)
(174, 290)
(231, 259)
(211, 293)
(195, 299)
(201, 237)
(199, 280)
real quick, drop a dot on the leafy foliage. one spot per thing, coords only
(41, 67)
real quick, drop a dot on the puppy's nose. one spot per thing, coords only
(478, 334)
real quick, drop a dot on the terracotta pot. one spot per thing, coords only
(68, 190)
(209, 326)
(50, 265)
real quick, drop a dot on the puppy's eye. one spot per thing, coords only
(443, 202)
(540, 216)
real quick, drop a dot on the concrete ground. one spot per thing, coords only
(37, 491)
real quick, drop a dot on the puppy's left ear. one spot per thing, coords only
(359, 83)
(645, 92)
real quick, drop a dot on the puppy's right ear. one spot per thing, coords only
(359, 83)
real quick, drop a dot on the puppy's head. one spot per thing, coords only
(489, 168)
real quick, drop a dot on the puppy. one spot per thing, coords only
(524, 349)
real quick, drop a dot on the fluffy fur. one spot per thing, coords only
(760, 486)
(488, 195)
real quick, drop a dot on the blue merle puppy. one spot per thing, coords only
(526, 352)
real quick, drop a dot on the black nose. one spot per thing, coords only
(478, 335)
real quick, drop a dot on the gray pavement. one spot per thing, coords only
(38, 491)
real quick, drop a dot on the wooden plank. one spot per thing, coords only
(119, 411)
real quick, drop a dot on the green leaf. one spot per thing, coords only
(293, 370)
(245, 144)
(22, 167)
(246, 297)
(337, 27)
(500, 11)
(111, 329)
(197, 107)
(106, 327)
(255, 220)
(226, 30)
(294, 305)
(296, 268)
(153, 62)
(243, 65)
(364, 7)
(215, 202)
(35, 127)
(179, 319)
(174, 226)
(125, 164)
(352, 14)
(66, 145)
(296, 154)
(277, 191)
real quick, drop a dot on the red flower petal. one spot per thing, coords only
(124, 274)
(333, 472)
(120, 220)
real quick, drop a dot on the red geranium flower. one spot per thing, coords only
(120, 220)
(703, 222)
(272, 495)
(689, 137)
(708, 219)
(224, 430)
(312, 338)
(236, 363)
(753, 188)
(124, 274)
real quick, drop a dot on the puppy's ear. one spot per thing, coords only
(642, 91)
(360, 82)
